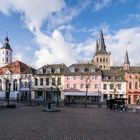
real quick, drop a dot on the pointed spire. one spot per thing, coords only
(126, 59)
(102, 47)
(97, 46)
(6, 44)
(6, 39)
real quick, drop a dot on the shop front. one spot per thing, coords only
(79, 97)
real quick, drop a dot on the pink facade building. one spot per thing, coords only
(133, 86)
(78, 78)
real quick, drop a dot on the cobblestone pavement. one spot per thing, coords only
(32, 123)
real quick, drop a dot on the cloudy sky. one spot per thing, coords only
(65, 31)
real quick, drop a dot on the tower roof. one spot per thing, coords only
(102, 47)
(126, 59)
(6, 44)
(97, 47)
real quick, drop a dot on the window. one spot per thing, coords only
(119, 78)
(104, 86)
(53, 81)
(101, 60)
(68, 78)
(96, 77)
(97, 60)
(82, 69)
(136, 85)
(0, 84)
(36, 81)
(68, 86)
(89, 86)
(130, 85)
(96, 86)
(111, 86)
(75, 86)
(7, 59)
(41, 81)
(15, 86)
(59, 81)
(82, 86)
(47, 81)
(106, 59)
(26, 84)
(3, 59)
(106, 78)
(72, 69)
(74, 77)
(119, 86)
(82, 77)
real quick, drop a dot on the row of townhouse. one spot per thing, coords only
(70, 83)
(98, 78)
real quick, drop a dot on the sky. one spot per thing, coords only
(65, 31)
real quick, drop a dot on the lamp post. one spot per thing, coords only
(99, 99)
(30, 96)
(86, 96)
(8, 86)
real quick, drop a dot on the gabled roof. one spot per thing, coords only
(17, 67)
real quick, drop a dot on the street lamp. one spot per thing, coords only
(8, 86)
(29, 86)
(99, 99)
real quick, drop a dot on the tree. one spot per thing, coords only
(88, 80)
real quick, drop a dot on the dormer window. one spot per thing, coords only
(106, 78)
(40, 71)
(72, 69)
(48, 70)
(57, 70)
(119, 78)
(82, 69)
(92, 69)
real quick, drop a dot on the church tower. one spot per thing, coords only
(5, 53)
(126, 64)
(101, 58)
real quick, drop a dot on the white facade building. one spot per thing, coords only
(5, 53)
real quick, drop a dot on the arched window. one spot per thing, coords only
(103, 59)
(15, 85)
(107, 60)
(0, 84)
(100, 59)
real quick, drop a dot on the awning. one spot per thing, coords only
(81, 94)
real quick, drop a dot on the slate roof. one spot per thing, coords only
(6, 44)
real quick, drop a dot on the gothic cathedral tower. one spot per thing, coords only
(5, 53)
(102, 58)
(126, 64)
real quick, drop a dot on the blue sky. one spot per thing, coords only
(58, 31)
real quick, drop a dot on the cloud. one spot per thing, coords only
(119, 41)
(98, 5)
(53, 49)
(33, 12)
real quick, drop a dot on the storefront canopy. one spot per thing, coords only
(81, 94)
